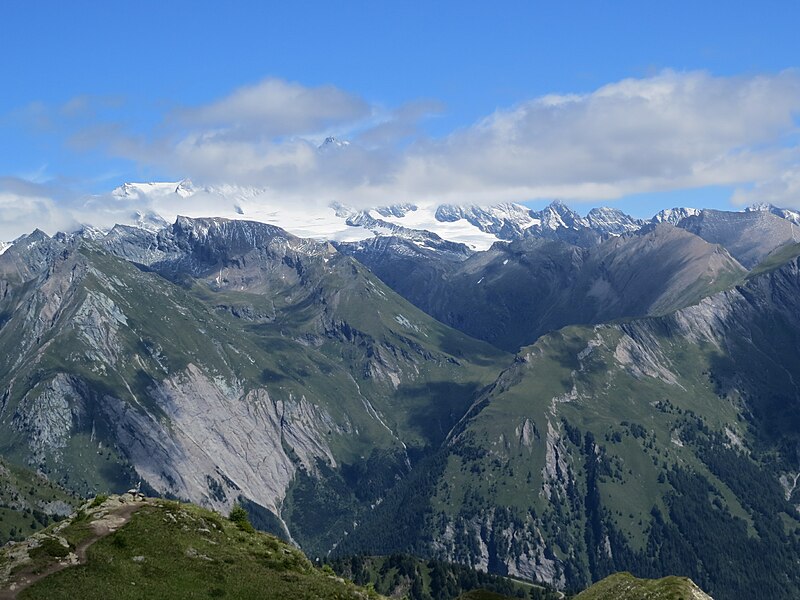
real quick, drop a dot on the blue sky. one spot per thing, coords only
(95, 94)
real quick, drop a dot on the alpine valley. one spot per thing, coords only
(534, 394)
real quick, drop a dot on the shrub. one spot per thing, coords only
(98, 500)
(239, 517)
(49, 547)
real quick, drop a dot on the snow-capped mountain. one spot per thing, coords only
(507, 221)
(183, 188)
(674, 215)
(331, 142)
(514, 221)
(558, 215)
(456, 228)
(476, 227)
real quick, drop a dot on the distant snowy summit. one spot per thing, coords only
(451, 227)
(673, 216)
(183, 188)
(331, 143)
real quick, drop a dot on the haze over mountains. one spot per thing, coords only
(532, 393)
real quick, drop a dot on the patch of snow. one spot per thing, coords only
(405, 322)
(460, 231)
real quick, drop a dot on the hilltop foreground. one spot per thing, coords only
(121, 548)
(624, 586)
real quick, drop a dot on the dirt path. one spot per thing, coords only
(104, 526)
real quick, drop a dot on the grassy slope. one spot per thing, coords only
(777, 258)
(169, 550)
(483, 595)
(639, 427)
(624, 586)
(609, 401)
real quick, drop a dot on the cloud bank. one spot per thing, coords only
(672, 131)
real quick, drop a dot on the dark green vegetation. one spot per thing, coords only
(482, 595)
(29, 502)
(402, 575)
(624, 586)
(171, 550)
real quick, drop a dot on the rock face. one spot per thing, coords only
(783, 213)
(749, 236)
(612, 221)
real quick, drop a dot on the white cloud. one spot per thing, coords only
(275, 107)
(672, 131)
(781, 190)
(25, 206)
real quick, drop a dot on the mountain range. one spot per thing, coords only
(530, 393)
(475, 227)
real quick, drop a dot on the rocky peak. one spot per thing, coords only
(331, 143)
(396, 210)
(674, 215)
(784, 213)
(237, 234)
(557, 215)
(612, 221)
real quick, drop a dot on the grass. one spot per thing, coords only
(775, 260)
(171, 550)
(624, 586)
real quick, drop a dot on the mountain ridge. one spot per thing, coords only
(513, 293)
